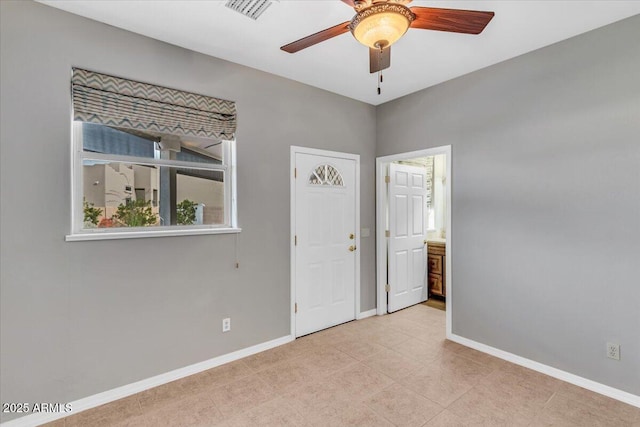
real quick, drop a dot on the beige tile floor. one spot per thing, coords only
(395, 370)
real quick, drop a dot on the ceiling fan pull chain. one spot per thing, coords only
(379, 71)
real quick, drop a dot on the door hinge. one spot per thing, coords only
(296, 308)
(387, 288)
(387, 179)
(387, 233)
(295, 240)
(295, 172)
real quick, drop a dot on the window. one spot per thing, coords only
(184, 184)
(326, 175)
(135, 179)
(431, 213)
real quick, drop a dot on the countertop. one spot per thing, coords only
(436, 240)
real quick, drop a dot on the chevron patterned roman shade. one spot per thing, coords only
(117, 102)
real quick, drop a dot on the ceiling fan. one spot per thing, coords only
(380, 23)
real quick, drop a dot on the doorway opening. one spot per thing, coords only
(413, 230)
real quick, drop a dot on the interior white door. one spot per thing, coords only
(325, 208)
(407, 227)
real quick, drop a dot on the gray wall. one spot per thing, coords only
(546, 208)
(546, 199)
(84, 317)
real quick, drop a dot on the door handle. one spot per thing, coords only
(352, 236)
(352, 248)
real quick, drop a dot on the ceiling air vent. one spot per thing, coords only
(251, 8)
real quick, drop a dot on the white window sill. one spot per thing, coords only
(111, 235)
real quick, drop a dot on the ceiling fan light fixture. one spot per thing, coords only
(381, 25)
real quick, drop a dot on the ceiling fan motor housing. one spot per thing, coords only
(382, 24)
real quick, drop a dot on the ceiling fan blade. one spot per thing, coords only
(452, 20)
(350, 2)
(379, 60)
(316, 38)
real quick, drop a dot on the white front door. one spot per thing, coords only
(325, 251)
(407, 227)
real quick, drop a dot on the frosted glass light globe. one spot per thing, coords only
(381, 25)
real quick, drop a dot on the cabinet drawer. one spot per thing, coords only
(435, 264)
(435, 285)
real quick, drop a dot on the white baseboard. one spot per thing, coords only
(133, 388)
(596, 387)
(366, 314)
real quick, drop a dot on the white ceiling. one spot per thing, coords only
(341, 65)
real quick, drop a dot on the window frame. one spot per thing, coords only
(79, 233)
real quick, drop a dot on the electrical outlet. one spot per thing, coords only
(226, 324)
(613, 351)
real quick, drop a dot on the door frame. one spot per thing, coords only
(292, 192)
(381, 240)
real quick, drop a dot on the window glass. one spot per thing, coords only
(131, 179)
(326, 175)
(109, 202)
(189, 155)
(107, 140)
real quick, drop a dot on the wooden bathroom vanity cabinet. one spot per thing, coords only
(436, 261)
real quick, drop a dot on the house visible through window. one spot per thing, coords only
(180, 182)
